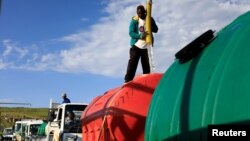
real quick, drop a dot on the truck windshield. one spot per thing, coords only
(72, 115)
(7, 131)
(34, 129)
(17, 127)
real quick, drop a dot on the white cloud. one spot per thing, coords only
(8, 48)
(11, 48)
(2, 64)
(104, 49)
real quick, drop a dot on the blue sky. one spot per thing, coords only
(81, 47)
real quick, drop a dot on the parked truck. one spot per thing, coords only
(57, 127)
(7, 134)
(31, 129)
(19, 130)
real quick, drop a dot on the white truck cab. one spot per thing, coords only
(31, 129)
(19, 130)
(7, 134)
(58, 127)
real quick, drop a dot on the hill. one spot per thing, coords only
(8, 115)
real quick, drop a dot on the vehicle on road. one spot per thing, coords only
(58, 127)
(31, 129)
(7, 134)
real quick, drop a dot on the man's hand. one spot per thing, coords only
(143, 35)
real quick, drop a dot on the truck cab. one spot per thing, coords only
(59, 127)
(19, 130)
(31, 129)
(8, 134)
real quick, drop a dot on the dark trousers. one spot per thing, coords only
(135, 54)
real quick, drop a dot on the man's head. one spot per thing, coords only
(64, 95)
(70, 114)
(141, 12)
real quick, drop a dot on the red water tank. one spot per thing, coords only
(120, 113)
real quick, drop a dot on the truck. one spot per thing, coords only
(26, 129)
(31, 129)
(57, 129)
(7, 134)
(19, 130)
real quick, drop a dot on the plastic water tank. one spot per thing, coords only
(120, 113)
(212, 88)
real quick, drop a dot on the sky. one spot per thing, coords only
(81, 47)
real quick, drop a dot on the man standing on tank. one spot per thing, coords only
(138, 43)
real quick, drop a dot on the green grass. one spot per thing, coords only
(8, 116)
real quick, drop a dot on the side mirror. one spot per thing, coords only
(51, 115)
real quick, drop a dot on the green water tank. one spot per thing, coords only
(212, 88)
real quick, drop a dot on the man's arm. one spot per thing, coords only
(154, 26)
